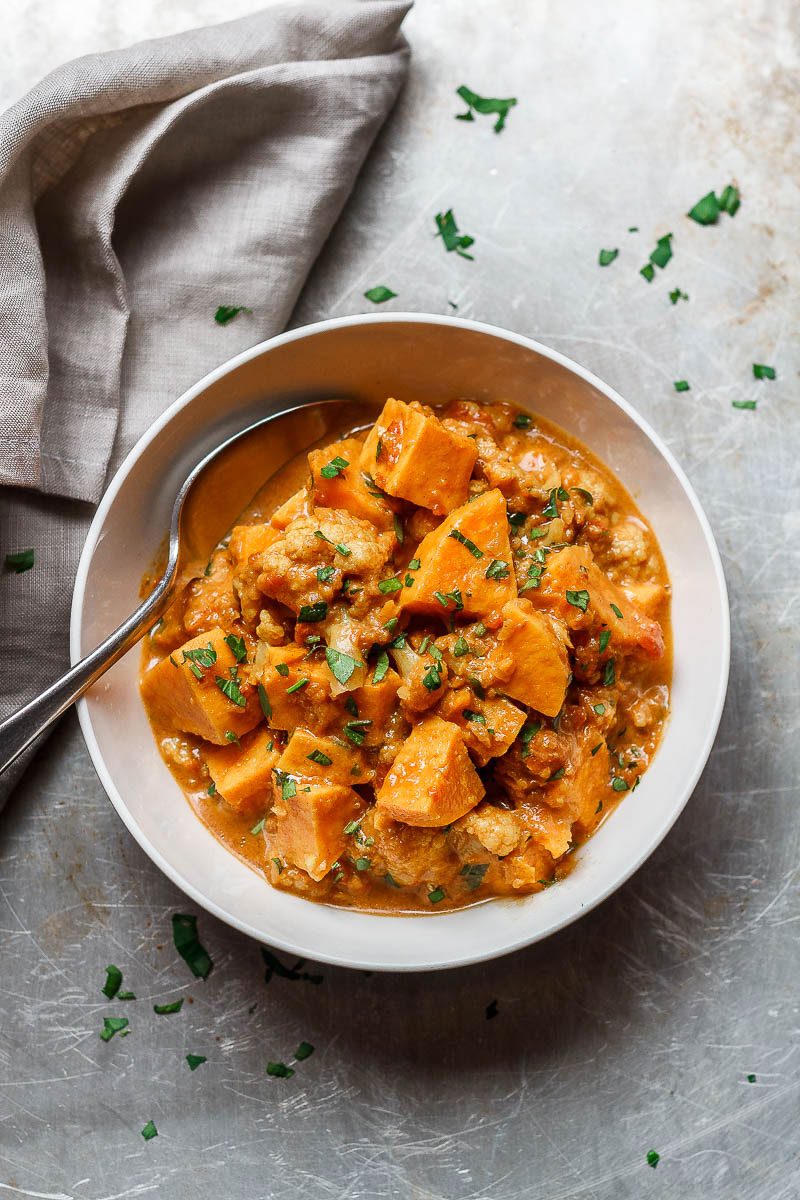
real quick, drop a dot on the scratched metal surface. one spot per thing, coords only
(636, 1028)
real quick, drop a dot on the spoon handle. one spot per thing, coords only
(23, 727)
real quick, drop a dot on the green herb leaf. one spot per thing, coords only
(203, 657)
(258, 827)
(398, 529)
(616, 611)
(454, 597)
(469, 714)
(584, 495)
(473, 874)
(362, 864)
(730, 200)
(526, 736)
(606, 257)
(706, 211)
(263, 700)
(497, 569)
(113, 982)
(747, 404)
(237, 647)
(313, 612)
(448, 232)
(681, 385)
(303, 1051)
(287, 784)
(354, 731)
(760, 371)
(414, 565)
(19, 561)
(436, 895)
(274, 966)
(517, 518)
(662, 253)
(381, 667)
(653, 1158)
(605, 638)
(610, 673)
(751, 1079)
(325, 574)
(187, 943)
(676, 294)
(599, 709)
(279, 1070)
(380, 294)
(230, 736)
(195, 1061)
(522, 421)
(578, 599)
(466, 542)
(318, 756)
(432, 679)
(334, 467)
(619, 784)
(164, 1009)
(297, 686)
(390, 880)
(282, 669)
(460, 648)
(230, 689)
(648, 272)
(485, 105)
(149, 1131)
(341, 665)
(387, 586)
(111, 1026)
(226, 312)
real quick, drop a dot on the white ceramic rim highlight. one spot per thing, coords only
(321, 954)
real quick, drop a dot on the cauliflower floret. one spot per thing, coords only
(496, 829)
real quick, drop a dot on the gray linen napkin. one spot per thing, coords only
(139, 190)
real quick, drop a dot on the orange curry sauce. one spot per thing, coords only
(424, 665)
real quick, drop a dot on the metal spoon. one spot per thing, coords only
(22, 728)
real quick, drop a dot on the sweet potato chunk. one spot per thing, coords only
(309, 705)
(376, 702)
(454, 561)
(541, 666)
(347, 488)
(296, 506)
(242, 774)
(306, 753)
(488, 726)
(432, 781)
(211, 600)
(413, 456)
(308, 827)
(247, 540)
(573, 569)
(177, 697)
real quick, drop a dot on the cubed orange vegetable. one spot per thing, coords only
(247, 540)
(242, 774)
(466, 560)
(295, 506)
(376, 703)
(413, 456)
(177, 697)
(432, 781)
(308, 830)
(306, 754)
(541, 666)
(574, 570)
(488, 726)
(211, 600)
(310, 705)
(347, 489)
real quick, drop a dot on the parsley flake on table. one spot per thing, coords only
(112, 1026)
(187, 943)
(380, 294)
(448, 232)
(606, 257)
(226, 312)
(676, 294)
(653, 1158)
(279, 1070)
(274, 966)
(681, 385)
(303, 1051)
(751, 1079)
(195, 1061)
(748, 404)
(149, 1131)
(485, 105)
(164, 1010)
(709, 207)
(19, 561)
(113, 982)
(648, 271)
(760, 371)
(662, 253)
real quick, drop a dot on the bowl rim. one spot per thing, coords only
(643, 851)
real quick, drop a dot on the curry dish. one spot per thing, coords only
(422, 679)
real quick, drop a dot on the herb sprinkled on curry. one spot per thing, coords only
(422, 678)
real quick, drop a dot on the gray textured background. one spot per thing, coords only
(637, 1027)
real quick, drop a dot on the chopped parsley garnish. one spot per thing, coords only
(237, 647)
(616, 611)
(477, 686)
(596, 748)
(398, 529)
(279, 1070)
(460, 648)
(599, 709)
(455, 596)
(550, 510)
(380, 294)
(381, 667)
(466, 543)
(352, 826)
(318, 756)
(609, 673)
(606, 257)
(341, 665)
(584, 495)
(390, 881)
(578, 599)
(526, 736)
(479, 630)
(653, 1158)
(619, 784)
(362, 864)
(258, 827)
(748, 404)
(751, 1078)
(354, 731)
(200, 659)
(535, 571)
(662, 253)
(303, 1051)
(469, 714)
(19, 561)
(760, 371)
(226, 312)
(230, 736)
(414, 565)
(453, 240)
(325, 574)
(164, 1009)
(111, 1026)
(484, 105)
(274, 966)
(432, 679)
(266, 707)
(113, 982)
(648, 272)
(522, 421)
(681, 385)
(710, 206)
(345, 551)
(559, 774)
(436, 895)
(195, 1061)
(387, 586)
(398, 643)
(313, 612)
(282, 669)
(278, 865)
(334, 467)
(517, 518)
(297, 686)
(187, 943)
(676, 294)
(497, 569)
(230, 689)
(605, 638)
(473, 874)
(150, 1131)
(287, 784)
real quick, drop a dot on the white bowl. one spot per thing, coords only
(433, 359)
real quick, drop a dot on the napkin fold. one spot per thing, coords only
(139, 191)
